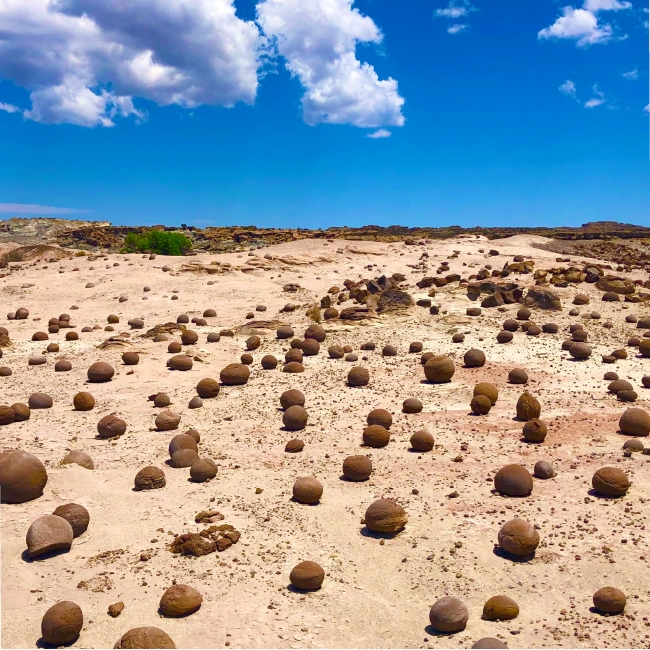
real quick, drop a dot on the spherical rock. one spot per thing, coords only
(518, 376)
(47, 534)
(504, 336)
(21, 313)
(284, 332)
(458, 337)
(234, 374)
(149, 478)
(77, 516)
(62, 365)
(626, 396)
(40, 336)
(635, 422)
(22, 476)
(269, 362)
(448, 615)
(489, 390)
(544, 470)
(474, 358)
(130, 358)
(412, 405)
(295, 418)
(36, 361)
(439, 369)
(422, 441)
(7, 414)
(83, 401)
(352, 358)
(488, 642)
(113, 318)
(174, 347)
(182, 319)
(315, 332)
(167, 421)
(52, 347)
(293, 366)
(307, 490)
(634, 445)
(580, 351)
(330, 313)
(246, 359)
(381, 417)
(291, 397)
(71, 336)
(213, 337)
(480, 405)
(550, 328)
(523, 313)
(618, 385)
(78, 458)
(99, 372)
(40, 401)
(110, 426)
(425, 357)
(161, 400)
(609, 600)
(644, 347)
(335, 352)
(203, 470)
(310, 347)
(385, 516)
(207, 388)
(180, 600)
(294, 446)
(307, 576)
(145, 637)
(518, 537)
(528, 407)
(294, 354)
(358, 376)
(209, 313)
(535, 430)
(416, 346)
(183, 458)
(389, 351)
(611, 482)
(180, 362)
(375, 436)
(500, 608)
(510, 325)
(513, 481)
(357, 468)
(253, 342)
(62, 623)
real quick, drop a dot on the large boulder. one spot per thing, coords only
(616, 283)
(394, 299)
(543, 299)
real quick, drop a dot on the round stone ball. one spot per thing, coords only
(180, 600)
(517, 376)
(385, 516)
(618, 385)
(513, 481)
(500, 608)
(234, 374)
(533, 330)
(182, 319)
(422, 440)
(579, 336)
(71, 336)
(550, 328)
(110, 426)
(487, 389)
(291, 397)
(130, 358)
(284, 332)
(635, 422)
(315, 332)
(40, 336)
(167, 421)
(518, 537)
(609, 600)
(213, 337)
(145, 637)
(634, 341)
(36, 361)
(474, 358)
(627, 396)
(161, 400)
(207, 388)
(480, 405)
(62, 365)
(77, 516)
(412, 405)
(209, 313)
(425, 357)
(180, 362)
(62, 623)
(504, 336)
(253, 342)
(544, 470)
(99, 372)
(458, 337)
(528, 407)
(523, 313)
(473, 311)
(246, 359)
(610, 481)
(7, 414)
(510, 325)
(174, 347)
(389, 351)
(330, 313)
(644, 347)
(448, 615)
(203, 469)
(293, 367)
(47, 534)
(83, 401)
(22, 476)
(21, 313)
(610, 376)
(149, 478)
(295, 418)
(439, 369)
(195, 434)
(310, 347)
(634, 445)
(307, 576)
(357, 468)
(580, 351)
(294, 354)
(113, 319)
(375, 436)
(381, 417)
(78, 458)
(488, 642)
(416, 346)
(351, 357)
(40, 401)
(269, 362)
(307, 490)
(182, 441)
(51, 347)
(535, 430)
(183, 458)
(358, 376)
(294, 446)
(335, 352)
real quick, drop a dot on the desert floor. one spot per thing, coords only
(377, 592)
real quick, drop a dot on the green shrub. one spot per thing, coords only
(157, 241)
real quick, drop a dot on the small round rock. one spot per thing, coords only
(307, 576)
(180, 600)
(357, 468)
(62, 623)
(609, 600)
(448, 615)
(307, 490)
(385, 516)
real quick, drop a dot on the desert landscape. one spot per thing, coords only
(460, 461)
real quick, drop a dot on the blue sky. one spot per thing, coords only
(210, 112)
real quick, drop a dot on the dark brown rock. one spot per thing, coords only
(610, 481)
(307, 490)
(448, 615)
(62, 623)
(22, 476)
(307, 576)
(513, 481)
(385, 516)
(357, 468)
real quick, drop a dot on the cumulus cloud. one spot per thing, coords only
(84, 60)
(456, 9)
(631, 75)
(457, 28)
(583, 25)
(568, 88)
(8, 108)
(647, 109)
(379, 133)
(33, 208)
(597, 100)
(318, 40)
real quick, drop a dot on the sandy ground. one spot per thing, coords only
(375, 594)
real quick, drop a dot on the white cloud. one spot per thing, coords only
(318, 39)
(32, 208)
(568, 88)
(84, 60)
(579, 24)
(647, 109)
(632, 75)
(606, 5)
(379, 133)
(457, 28)
(8, 108)
(456, 9)
(597, 100)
